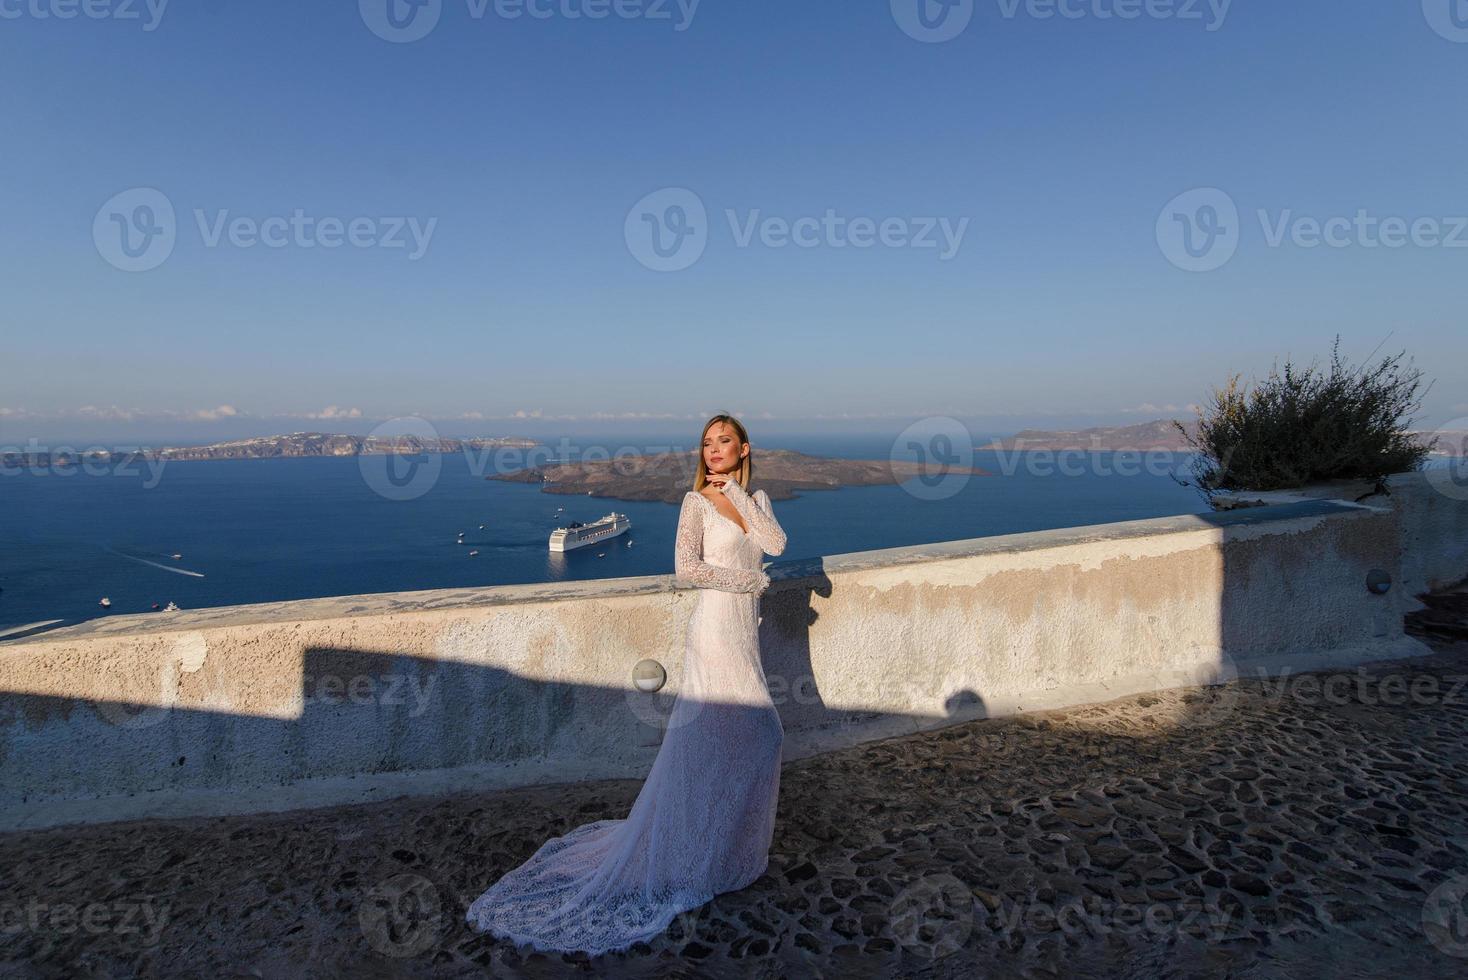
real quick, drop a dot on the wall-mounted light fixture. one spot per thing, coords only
(649, 676)
(1378, 582)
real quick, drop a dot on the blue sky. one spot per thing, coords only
(523, 144)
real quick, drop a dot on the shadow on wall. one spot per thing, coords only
(343, 723)
(344, 714)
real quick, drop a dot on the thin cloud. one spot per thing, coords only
(116, 413)
(332, 412)
(215, 414)
(111, 413)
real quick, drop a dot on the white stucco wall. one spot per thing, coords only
(326, 701)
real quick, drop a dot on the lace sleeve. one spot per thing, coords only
(759, 517)
(689, 568)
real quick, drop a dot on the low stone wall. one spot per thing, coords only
(1430, 511)
(315, 702)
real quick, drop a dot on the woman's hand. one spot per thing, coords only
(717, 479)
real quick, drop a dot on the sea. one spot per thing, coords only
(230, 532)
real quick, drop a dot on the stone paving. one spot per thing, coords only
(1307, 826)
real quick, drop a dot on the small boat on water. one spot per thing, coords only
(171, 607)
(105, 603)
(175, 556)
(473, 553)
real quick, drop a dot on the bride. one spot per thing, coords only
(704, 819)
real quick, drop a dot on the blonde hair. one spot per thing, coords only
(746, 465)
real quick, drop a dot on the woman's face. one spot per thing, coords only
(722, 450)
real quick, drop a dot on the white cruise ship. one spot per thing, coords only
(578, 535)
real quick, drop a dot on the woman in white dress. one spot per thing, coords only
(704, 820)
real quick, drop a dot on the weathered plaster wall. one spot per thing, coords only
(335, 700)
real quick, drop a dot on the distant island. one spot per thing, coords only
(668, 476)
(781, 472)
(1161, 435)
(295, 445)
(1144, 437)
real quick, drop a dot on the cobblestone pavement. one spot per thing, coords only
(1306, 826)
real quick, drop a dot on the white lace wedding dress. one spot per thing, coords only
(704, 819)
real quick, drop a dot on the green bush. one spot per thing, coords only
(1301, 426)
